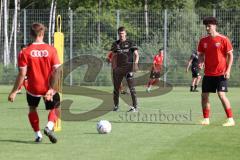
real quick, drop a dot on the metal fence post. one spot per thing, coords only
(24, 27)
(165, 46)
(214, 12)
(71, 45)
(118, 21)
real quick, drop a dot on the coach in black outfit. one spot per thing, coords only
(124, 62)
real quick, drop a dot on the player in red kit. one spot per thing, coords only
(39, 62)
(216, 52)
(156, 69)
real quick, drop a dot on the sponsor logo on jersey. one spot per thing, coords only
(217, 44)
(39, 53)
(205, 45)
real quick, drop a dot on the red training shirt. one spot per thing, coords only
(215, 50)
(158, 61)
(39, 58)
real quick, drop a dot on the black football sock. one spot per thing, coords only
(191, 88)
(195, 87)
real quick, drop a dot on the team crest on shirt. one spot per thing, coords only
(126, 45)
(205, 45)
(217, 44)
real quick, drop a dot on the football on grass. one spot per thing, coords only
(104, 127)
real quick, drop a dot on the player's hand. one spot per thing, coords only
(49, 95)
(227, 74)
(187, 70)
(12, 96)
(200, 65)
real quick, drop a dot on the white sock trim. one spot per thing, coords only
(50, 125)
(38, 134)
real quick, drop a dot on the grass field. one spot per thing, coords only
(175, 135)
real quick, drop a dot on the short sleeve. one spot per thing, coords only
(134, 46)
(228, 45)
(192, 56)
(200, 46)
(55, 60)
(22, 59)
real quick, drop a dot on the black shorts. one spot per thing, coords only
(195, 72)
(154, 75)
(213, 83)
(34, 101)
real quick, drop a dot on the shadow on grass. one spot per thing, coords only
(93, 133)
(148, 122)
(20, 141)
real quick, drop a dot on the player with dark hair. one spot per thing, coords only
(39, 62)
(125, 58)
(155, 70)
(216, 52)
(196, 77)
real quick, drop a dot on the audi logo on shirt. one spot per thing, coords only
(39, 53)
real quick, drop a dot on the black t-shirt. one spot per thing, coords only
(123, 53)
(194, 58)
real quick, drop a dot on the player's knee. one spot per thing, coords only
(221, 95)
(132, 90)
(32, 108)
(205, 97)
(116, 92)
(129, 75)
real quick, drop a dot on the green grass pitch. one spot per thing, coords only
(137, 136)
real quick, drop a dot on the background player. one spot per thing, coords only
(195, 68)
(155, 70)
(39, 62)
(216, 52)
(124, 62)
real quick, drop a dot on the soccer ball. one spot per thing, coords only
(104, 127)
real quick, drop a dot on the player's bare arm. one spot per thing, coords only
(136, 56)
(19, 80)
(56, 72)
(136, 59)
(229, 62)
(201, 60)
(189, 64)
